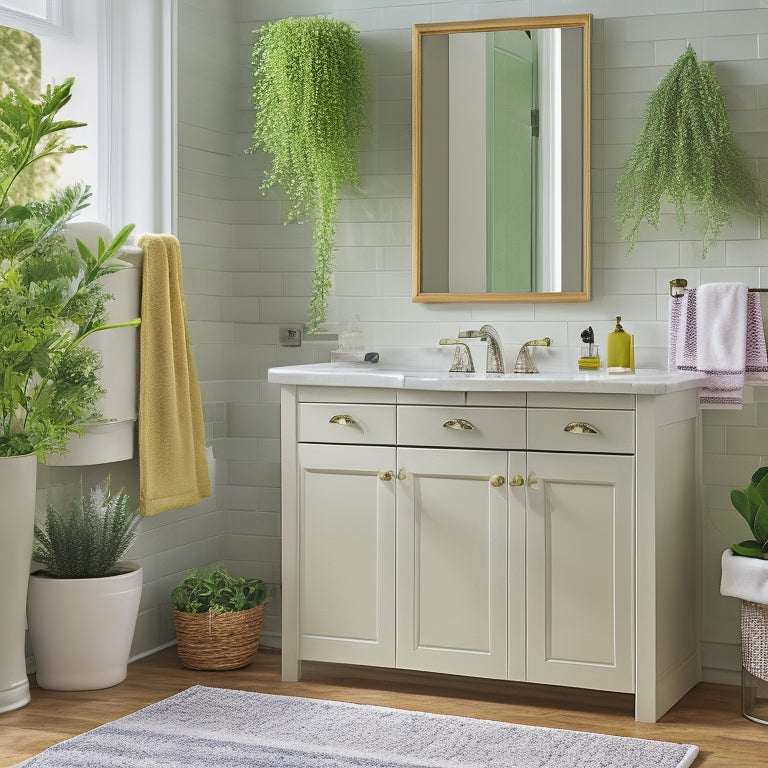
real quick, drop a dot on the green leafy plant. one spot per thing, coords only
(309, 93)
(217, 591)
(752, 504)
(51, 295)
(89, 540)
(687, 152)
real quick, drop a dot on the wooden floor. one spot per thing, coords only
(709, 716)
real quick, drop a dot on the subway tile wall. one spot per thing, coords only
(246, 273)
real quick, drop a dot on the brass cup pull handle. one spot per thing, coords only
(517, 481)
(343, 420)
(459, 424)
(386, 474)
(581, 428)
(496, 481)
(533, 482)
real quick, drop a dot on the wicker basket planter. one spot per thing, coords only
(218, 641)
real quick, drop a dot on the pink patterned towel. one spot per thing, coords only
(717, 330)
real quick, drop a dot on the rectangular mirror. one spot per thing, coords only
(501, 162)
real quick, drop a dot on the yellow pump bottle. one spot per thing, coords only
(620, 350)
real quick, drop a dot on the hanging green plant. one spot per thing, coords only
(309, 93)
(687, 151)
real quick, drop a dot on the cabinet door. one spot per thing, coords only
(346, 554)
(451, 561)
(579, 570)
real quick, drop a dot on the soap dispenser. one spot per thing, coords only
(620, 350)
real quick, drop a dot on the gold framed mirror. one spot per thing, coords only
(501, 160)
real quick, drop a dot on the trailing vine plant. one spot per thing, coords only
(309, 95)
(687, 151)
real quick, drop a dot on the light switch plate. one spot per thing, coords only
(290, 335)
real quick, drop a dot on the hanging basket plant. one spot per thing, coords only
(686, 152)
(309, 94)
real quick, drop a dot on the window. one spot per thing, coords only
(122, 56)
(33, 15)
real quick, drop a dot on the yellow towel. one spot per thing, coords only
(173, 471)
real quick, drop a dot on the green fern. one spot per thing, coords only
(687, 152)
(309, 93)
(90, 539)
(51, 295)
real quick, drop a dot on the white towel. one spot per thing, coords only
(744, 577)
(717, 330)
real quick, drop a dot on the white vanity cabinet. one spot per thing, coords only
(530, 536)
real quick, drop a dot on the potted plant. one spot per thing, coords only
(51, 299)
(687, 152)
(745, 575)
(218, 619)
(309, 94)
(83, 603)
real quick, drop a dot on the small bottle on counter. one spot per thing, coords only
(351, 336)
(590, 355)
(620, 350)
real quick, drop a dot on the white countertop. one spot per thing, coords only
(642, 382)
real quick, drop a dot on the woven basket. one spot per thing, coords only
(754, 638)
(223, 641)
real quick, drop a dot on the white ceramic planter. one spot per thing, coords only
(113, 439)
(18, 481)
(744, 577)
(82, 629)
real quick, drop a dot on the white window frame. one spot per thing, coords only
(53, 23)
(138, 166)
(130, 105)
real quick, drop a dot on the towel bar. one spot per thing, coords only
(678, 285)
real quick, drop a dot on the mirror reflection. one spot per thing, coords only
(501, 159)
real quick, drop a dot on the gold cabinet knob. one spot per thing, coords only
(342, 419)
(517, 481)
(581, 428)
(459, 424)
(386, 474)
(533, 482)
(496, 481)
(401, 473)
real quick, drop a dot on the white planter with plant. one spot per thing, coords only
(745, 575)
(51, 299)
(82, 606)
(17, 499)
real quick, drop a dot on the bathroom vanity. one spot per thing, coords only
(529, 528)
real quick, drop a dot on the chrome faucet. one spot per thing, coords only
(524, 363)
(495, 358)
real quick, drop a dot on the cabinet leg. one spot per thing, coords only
(291, 669)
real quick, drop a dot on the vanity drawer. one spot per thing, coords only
(345, 423)
(569, 429)
(461, 427)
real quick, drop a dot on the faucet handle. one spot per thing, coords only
(462, 358)
(524, 362)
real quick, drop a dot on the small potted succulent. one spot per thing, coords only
(83, 603)
(218, 619)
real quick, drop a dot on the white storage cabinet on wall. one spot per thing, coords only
(498, 535)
